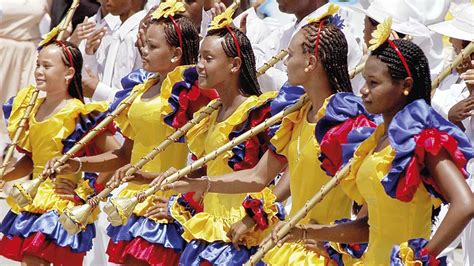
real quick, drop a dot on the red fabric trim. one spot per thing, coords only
(37, 245)
(254, 206)
(190, 102)
(143, 250)
(331, 144)
(198, 207)
(431, 141)
(205, 263)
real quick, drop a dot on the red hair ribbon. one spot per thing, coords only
(68, 52)
(237, 46)
(178, 31)
(400, 55)
(318, 37)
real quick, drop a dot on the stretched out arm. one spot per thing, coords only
(249, 180)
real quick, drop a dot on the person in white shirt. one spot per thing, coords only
(121, 57)
(92, 33)
(275, 77)
(454, 99)
(408, 19)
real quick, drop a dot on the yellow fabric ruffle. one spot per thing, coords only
(213, 228)
(268, 199)
(407, 255)
(295, 254)
(178, 212)
(175, 76)
(282, 137)
(20, 103)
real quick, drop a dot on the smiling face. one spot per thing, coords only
(51, 72)
(158, 54)
(213, 63)
(381, 94)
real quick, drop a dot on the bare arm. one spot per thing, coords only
(249, 180)
(114, 158)
(282, 189)
(22, 167)
(110, 160)
(457, 193)
(356, 231)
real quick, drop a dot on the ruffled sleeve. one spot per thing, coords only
(13, 111)
(88, 117)
(415, 131)
(264, 209)
(280, 133)
(135, 82)
(247, 154)
(413, 252)
(343, 126)
(186, 97)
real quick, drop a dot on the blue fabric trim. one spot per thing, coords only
(167, 235)
(217, 253)
(7, 110)
(341, 106)
(26, 224)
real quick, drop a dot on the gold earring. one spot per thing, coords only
(406, 92)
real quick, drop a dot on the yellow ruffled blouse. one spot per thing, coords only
(43, 139)
(143, 122)
(220, 210)
(295, 139)
(391, 221)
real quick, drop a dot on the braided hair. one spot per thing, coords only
(75, 86)
(248, 72)
(189, 35)
(417, 62)
(332, 51)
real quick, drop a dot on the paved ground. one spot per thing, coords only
(5, 262)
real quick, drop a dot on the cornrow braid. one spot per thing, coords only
(417, 62)
(248, 72)
(189, 35)
(75, 86)
(332, 51)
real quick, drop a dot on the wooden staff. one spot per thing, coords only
(356, 70)
(75, 219)
(465, 53)
(268, 242)
(23, 193)
(120, 209)
(275, 59)
(34, 96)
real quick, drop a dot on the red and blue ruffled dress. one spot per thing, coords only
(206, 231)
(35, 229)
(148, 122)
(396, 186)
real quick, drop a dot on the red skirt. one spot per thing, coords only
(140, 249)
(38, 246)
